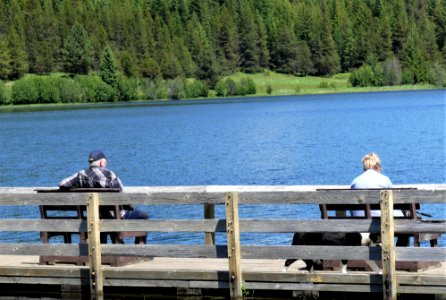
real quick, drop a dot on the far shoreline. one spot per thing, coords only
(9, 108)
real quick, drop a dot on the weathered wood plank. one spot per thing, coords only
(420, 254)
(43, 199)
(43, 281)
(235, 188)
(248, 252)
(246, 197)
(179, 274)
(204, 251)
(218, 225)
(43, 249)
(209, 225)
(169, 283)
(313, 287)
(404, 289)
(43, 225)
(310, 252)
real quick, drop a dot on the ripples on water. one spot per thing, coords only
(296, 140)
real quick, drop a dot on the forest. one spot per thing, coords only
(117, 46)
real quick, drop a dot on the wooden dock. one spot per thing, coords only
(232, 270)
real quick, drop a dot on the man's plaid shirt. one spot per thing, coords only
(93, 177)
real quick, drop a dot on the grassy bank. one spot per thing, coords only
(267, 84)
(282, 84)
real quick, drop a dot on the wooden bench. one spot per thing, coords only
(70, 212)
(342, 211)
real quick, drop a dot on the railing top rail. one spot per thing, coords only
(232, 188)
(215, 195)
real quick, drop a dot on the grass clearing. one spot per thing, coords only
(283, 84)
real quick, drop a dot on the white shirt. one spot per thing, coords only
(372, 179)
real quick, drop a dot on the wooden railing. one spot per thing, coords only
(232, 197)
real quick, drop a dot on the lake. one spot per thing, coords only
(288, 140)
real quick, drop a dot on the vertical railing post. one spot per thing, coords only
(94, 247)
(233, 235)
(388, 247)
(209, 213)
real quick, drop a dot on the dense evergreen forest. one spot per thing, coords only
(126, 42)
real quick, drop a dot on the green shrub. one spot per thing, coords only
(3, 96)
(362, 77)
(437, 75)
(47, 89)
(94, 89)
(195, 89)
(127, 88)
(392, 71)
(269, 89)
(154, 89)
(221, 89)
(323, 85)
(246, 87)
(24, 91)
(249, 85)
(175, 88)
(70, 91)
(378, 75)
(408, 77)
(232, 88)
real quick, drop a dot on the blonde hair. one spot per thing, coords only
(371, 161)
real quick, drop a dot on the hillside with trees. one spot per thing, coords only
(112, 47)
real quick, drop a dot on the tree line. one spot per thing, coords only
(380, 41)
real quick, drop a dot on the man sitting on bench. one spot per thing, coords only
(98, 176)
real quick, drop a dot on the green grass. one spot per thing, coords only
(283, 84)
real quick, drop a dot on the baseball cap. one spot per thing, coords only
(96, 155)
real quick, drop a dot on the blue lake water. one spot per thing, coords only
(293, 140)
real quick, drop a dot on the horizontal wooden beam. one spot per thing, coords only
(218, 225)
(268, 195)
(133, 274)
(44, 249)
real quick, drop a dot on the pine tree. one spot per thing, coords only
(108, 69)
(400, 27)
(364, 32)
(262, 43)
(201, 52)
(438, 13)
(227, 41)
(77, 51)
(5, 58)
(324, 55)
(19, 64)
(249, 52)
(384, 34)
(343, 35)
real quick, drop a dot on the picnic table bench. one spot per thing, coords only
(342, 211)
(79, 212)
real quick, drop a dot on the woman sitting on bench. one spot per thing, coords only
(372, 178)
